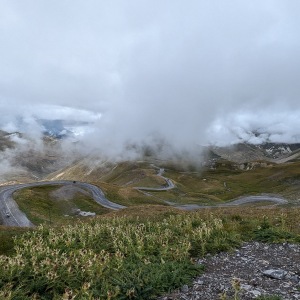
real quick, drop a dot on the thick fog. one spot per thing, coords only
(141, 72)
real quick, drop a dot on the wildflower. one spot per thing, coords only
(130, 293)
(236, 284)
(86, 286)
(68, 295)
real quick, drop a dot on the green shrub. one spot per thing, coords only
(265, 232)
(110, 259)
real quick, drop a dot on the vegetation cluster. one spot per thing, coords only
(129, 257)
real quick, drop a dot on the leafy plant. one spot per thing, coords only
(267, 233)
(118, 258)
(128, 257)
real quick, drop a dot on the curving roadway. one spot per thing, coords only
(9, 207)
(235, 202)
(17, 218)
(169, 183)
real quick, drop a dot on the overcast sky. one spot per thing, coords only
(192, 72)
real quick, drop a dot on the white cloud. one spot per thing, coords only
(190, 72)
(256, 127)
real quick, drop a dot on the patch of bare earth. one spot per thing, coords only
(68, 192)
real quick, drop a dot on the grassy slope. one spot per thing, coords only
(126, 195)
(7, 235)
(225, 183)
(145, 250)
(122, 174)
(41, 207)
(205, 186)
(247, 218)
(210, 186)
(116, 180)
(269, 225)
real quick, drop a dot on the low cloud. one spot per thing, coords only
(256, 127)
(186, 74)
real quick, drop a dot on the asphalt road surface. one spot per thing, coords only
(13, 216)
(169, 183)
(239, 201)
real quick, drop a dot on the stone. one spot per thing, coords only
(246, 287)
(255, 293)
(185, 289)
(295, 278)
(275, 273)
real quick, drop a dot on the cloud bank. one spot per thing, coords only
(188, 73)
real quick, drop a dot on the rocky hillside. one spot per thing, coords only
(6, 140)
(243, 153)
(24, 159)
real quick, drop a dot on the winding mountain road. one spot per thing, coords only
(235, 202)
(13, 216)
(169, 183)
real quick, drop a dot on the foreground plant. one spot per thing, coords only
(236, 285)
(119, 258)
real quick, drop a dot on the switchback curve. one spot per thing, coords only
(13, 216)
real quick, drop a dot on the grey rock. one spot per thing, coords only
(275, 273)
(295, 278)
(200, 262)
(185, 289)
(255, 293)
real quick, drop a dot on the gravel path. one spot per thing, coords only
(260, 269)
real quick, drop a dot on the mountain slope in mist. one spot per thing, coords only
(6, 139)
(24, 159)
(225, 172)
(126, 173)
(244, 152)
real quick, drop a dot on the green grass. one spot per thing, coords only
(127, 195)
(136, 253)
(113, 259)
(7, 235)
(41, 207)
(142, 251)
(129, 174)
(226, 182)
(195, 186)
